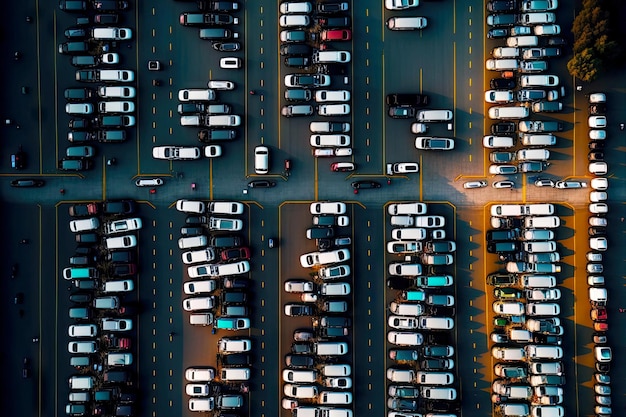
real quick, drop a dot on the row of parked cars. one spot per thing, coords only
(422, 314)
(529, 29)
(217, 295)
(315, 380)
(103, 269)
(528, 336)
(101, 113)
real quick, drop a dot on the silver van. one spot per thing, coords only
(514, 409)
(533, 155)
(119, 359)
(106, 303)
(235, 374)
(261, 160)
(543, 309)
(406, 23)
(124, 285)
(336, 370)
(192, 242)
(80, 397)
(84, 225)
(543, 352)
(435, 323)
(434, 378)
(79, 382)
(525, 41)
(502, 64)
(330, 348)
(505, 52)
(434, 115)
(542, 222)
(225, 120)
(327, 57)
(520, 335)
(529, 139)
(201, 319)
(192, 120)
(538, 281)
(508, 112)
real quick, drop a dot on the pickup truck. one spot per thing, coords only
(218, 223)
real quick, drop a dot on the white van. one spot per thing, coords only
(502, 64)
(434, 378)
(530, 19)
(124, 285)
(520, 335)
(548, 410)
(225, 207)
(333, 109)
(543, 352)
(111, 33)
(438, 393)
(434, 115)
(300, 391)
(508, 353)
(192, 242)
(79, 397)
(199, 287)
(542, 222)
(201, 319)
(539, 246)
(115, 75)
(330, 348)
(533, 155)
(405, 269)
(505, 52)
(335, 397)
(336, 370)
(543, 309)
(192, 120)
(407, 23)
(233, 345)
(201, 404)
(514, 410)
(81, 382)
(121, 242)
(529, 139)
(261, 160)
(327, 57)
(196, 94)
(508, 112)
(110, 91)
(406, 309)
(320, 141)
(539, 80)
(116, 107)
(299, 375)
(335, 288)
(538, 281)
(416, 233)
(435, 323)
(84, 225)
(235, 374)
(407, 208)
(224, 120)
(524, 41)
(539, 209)
(198, 256)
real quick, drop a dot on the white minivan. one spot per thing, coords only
(508, 112)
(261, 160)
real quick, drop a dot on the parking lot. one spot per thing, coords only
(447, 63)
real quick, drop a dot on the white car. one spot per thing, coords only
(116, 325)
(296, 7)
(230, 62)
(327, 208)
(333, 109)
(597, 196)
(400, 4)
(598, 221)
(597, 134)
(598, 168)
(110, 58)
(598, 243)
(597, 122)
(503, 184)
(402, 322)
(298, 286)
(499, 96)
(197, 390)
(199, 374)
(403, 168)
(430, 221)
(148, 182)
(597, 98)
(600, 184)
(598, 208)
(191, 206)
(212, 151)
(124, 225)
(221, 85)
(294, 20)
(474, 184)
(322, 96)
(175, 153)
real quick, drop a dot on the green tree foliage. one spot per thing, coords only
(585, 65)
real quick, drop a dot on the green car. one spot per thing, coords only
(507, 293)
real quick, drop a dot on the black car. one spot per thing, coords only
(233, 297)
(296, 49)
(87, 238)
(403, 355)
(298, 310)
(75, 33)
(84, 251)
(110, 5)
(363, 184)
(301, 348)
(82, 260)
(556, 41)
(299, 361)
(73, 5)
(191, 108)
(87, 284)
(81, 297)
(297, 62)
(113, 377)
(402, 112)
(400, 283)
(106, 19)
(196, 220)
(407, 99)
(226, 46)
(83, 209)
(597, 231)
(216, 135)
(119, 207)
(236, 282)
(502, 83)
(333, 7)
(121, 256)
(595, 156)
(191, 231)
(122, 270)
(497, 33)
(402, 404)
(18, 159)
(81, 124)
(27, 182)
(499, 6)
(597, 109)
(503, 128)
(434, 364)
(596, 144)
(80, 136)
(441, 338)
(333, 22)
(261, 184)
(546, 339)
(219, 6)
(235, 359)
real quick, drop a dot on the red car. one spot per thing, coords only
(342, 166)
(235, 253)
(599, 314)
(600, 326)
(336, 35)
